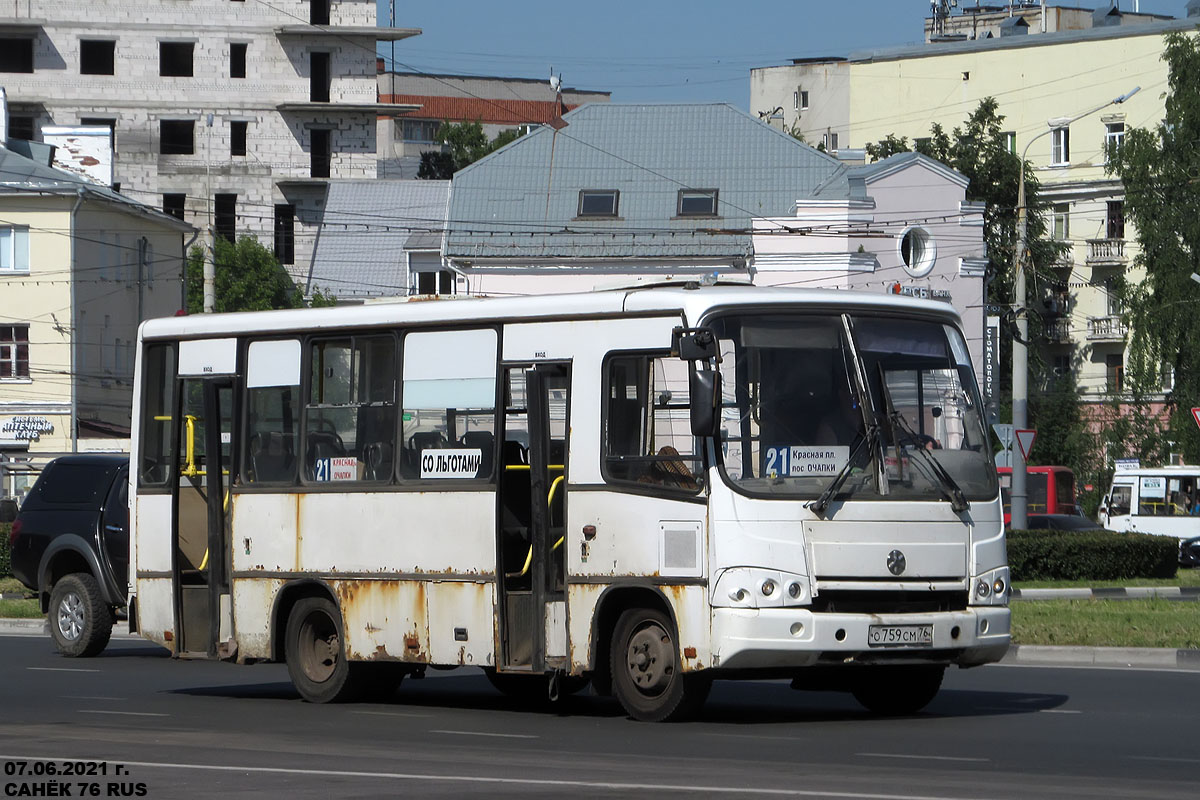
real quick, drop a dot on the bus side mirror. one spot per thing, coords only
(704, 388)
(694, 344)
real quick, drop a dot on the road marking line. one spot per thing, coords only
(390, 714)
(121, 713)
(1057, 711)
(1165, 758)
(753, 736)
(60, 669)
(411, 776)
(90, 697)
(483, 733)
(920, 758)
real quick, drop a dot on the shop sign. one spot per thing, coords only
(921, 292)
(25, 429)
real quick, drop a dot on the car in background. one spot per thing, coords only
(1189, 552)
(1060, 522)
(70, 544)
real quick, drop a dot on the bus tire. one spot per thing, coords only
(316, 652)
(647, 674)
(898, 691)
(80, 621)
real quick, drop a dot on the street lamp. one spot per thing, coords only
(1020, 365)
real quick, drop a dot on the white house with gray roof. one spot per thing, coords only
(626, 192)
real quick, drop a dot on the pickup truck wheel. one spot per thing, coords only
(80, 621)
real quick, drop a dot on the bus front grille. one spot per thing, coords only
(888, 602)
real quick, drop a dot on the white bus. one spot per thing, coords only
(1159, 500)
(646, 488)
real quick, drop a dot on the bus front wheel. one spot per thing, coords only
(899, 690)
(316, 655)
(647, 675)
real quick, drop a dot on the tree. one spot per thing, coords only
(248, 278)
(467, 142)
(1158, 167)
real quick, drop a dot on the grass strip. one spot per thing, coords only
(1184, 577)
(1150, 622)
(20, 609)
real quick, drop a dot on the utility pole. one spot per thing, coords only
(210, 245)
(1020, 361)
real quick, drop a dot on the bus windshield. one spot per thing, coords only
(805, 394)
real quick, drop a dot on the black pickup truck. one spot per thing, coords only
(70, 544)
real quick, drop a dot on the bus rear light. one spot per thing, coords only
(13, 533)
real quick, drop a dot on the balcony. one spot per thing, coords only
(1106, 252)
(1106, 329)
(1058, 331)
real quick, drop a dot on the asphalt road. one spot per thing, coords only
(199, 729)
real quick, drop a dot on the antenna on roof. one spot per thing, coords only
(555, 81)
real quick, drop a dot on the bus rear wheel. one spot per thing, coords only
(900, 690)
(647, 675)
(316, 653)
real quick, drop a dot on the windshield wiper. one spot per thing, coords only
(958, 500)
(821, 503)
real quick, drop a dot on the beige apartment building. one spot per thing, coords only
(1040, 81)
(80, 267)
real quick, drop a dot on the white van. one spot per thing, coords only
(1159, 500)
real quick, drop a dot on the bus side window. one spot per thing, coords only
(273, 405)
(157, 446)
(1118, 504)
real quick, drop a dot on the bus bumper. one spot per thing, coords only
(796, 637)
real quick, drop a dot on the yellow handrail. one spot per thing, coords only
(549, 499)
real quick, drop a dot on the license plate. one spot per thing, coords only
(900, 636)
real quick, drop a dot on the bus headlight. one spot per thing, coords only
(751, 587)
(991, 588)
(768, 587)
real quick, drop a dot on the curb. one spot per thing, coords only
(1111, 657)
(1183, 593)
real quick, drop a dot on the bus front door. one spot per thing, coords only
(201, 543)
(533, 497)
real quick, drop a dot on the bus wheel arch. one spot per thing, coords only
(285, 600)
(612, 603)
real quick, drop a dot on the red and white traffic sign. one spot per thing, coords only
(1025, 437)
(1196, 415)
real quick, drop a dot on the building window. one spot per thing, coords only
(1062, 367)
(237, 60)
(21, 127)
(1060, 146)
(419, 130)
(176, 137)
(1062, 221)
(1010, 141)
(175, 59)
(598, 202)
(103, 122)
(16, 55)
(14, 249)
(829, 141)
(918, 252)
(319, 77)
(174, 204)
(318, 12)
(225, 216)
(800, 100)
(97, 57)
(237, 137)
(431, 280)
(1114, 137)
(1112, 293)
(697, 203)
(14, 351)
(321, 151)
(1114, 227)
(1114, 369)
(285, 233)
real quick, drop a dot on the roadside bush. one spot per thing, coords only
(5, 560)
(1096, 555)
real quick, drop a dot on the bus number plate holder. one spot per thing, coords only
(900, 636)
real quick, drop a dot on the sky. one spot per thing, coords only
(657, 51)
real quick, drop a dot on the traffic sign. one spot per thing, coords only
(1025, 437)
(1004, 432)
(1196, 415)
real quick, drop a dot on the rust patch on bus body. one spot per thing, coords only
(373, 607)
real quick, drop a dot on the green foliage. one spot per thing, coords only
(1158, 167)
(887, 146)
(467, 142)
(5, 555)
(1096, 555)
(322, 298)
(248, 278)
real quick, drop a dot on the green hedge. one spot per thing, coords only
(1094, 555)
(5, 560)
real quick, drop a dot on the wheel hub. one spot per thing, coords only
(70, 616)
(650, 658)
